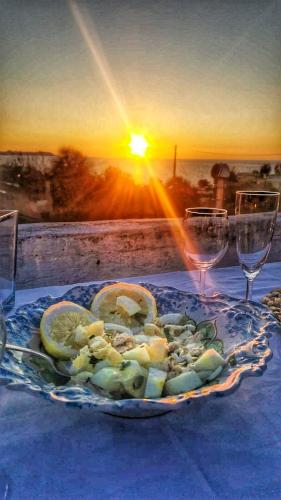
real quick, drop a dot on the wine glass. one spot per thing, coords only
(3, 333)
(256, 213)
(205, 238)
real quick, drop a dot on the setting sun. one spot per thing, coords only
(138, 145)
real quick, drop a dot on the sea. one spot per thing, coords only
(191, 170)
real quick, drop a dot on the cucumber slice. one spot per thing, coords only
(155, 383)
(175, 319)
(215, 373)
(170, 319)
(133, 378)
(107, 379)
(182, 383)
(204, 374)
(209, 360)
(101, 364)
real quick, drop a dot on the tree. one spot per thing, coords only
(277, 169)
(181, 194)
(233, 176)
(204, 184)
(30, 180)
(79, 194)
(71, 184)
(265, 170)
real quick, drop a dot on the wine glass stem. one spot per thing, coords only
(202, 282)
(249, 289)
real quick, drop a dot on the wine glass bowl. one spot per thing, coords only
(205, 238)
(255, 217)
(3, 334)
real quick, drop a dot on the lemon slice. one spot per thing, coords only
(105, 306)
(58, 325)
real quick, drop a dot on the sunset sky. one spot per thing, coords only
(204, 74)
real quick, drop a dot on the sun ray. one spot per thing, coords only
(138, 143)
(176, 226)
(94, 45)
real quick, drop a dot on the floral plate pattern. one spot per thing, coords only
(244, 327)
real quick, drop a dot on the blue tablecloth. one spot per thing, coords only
(222, 448)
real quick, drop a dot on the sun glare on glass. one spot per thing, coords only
(138, 145)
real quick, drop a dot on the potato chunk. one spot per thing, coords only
(158, 350)
(139, 353)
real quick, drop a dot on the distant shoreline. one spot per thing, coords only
(271, 158)
(192, 170)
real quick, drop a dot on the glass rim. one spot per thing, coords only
(7, 214)
(259, 193)
(206, 210)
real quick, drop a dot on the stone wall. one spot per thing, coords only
(63, 253)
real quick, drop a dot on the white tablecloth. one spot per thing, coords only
(222, 448)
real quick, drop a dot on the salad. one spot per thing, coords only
(122, 347)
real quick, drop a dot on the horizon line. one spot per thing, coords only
(275, 156)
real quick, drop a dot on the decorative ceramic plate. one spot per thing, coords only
(244, 328)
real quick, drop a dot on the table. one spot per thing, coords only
(222, 448)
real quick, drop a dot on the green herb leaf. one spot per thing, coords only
(215, 344)
(232, 360)
(207, 329)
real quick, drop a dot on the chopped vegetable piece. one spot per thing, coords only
(107, 379)
(204, 374)
(101, 364)
(115, 328)
(139, 353)
(184, 382)
(170, 319)
(84, 333)
(81, 378)
(102, 349)
(215, 373)
(95, 329)
(155, 383)
(140, 338)
(209, 360)
(80, 336)
(158, 350)
(151, 329)
(133, 379)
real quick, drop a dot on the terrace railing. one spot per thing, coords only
(65, 253)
